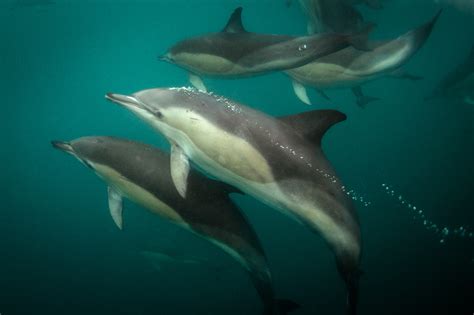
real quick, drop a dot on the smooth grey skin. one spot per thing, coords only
(234, 52)
(141, 173)
(349, 68)
(336, 16)
(459, 83)
(277, 161)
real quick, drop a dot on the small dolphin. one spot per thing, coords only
(336, 16)
(278, 161)
(351, 68)
(459, 83)
(374, 4)
(234, 52)
(142, 174)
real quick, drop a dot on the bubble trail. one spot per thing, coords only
(444, 232)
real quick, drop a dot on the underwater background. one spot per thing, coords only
(60, 252)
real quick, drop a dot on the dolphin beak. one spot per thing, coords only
(129, 102)
(165, 58)
(63, 146)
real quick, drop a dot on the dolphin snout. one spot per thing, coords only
(124, 100)
(63, 146)
(166, 58)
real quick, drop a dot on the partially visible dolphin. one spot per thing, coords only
(234, 52)
(352, 68)
(459, 83)
(374, 4)
(142, 174)
(161, 259)
(278, 161)
(336, 16)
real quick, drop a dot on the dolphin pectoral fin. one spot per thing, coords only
(300, 92)
(115, 206)
(179, 169)
(197, 82)
(361, 98)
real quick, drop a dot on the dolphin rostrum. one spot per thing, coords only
(235, 52)
(142, 174)
(351, 68)
(278, 161)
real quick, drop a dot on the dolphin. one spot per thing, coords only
(459, 83)
(374, 4)
(142, 174)
(277, 161)
(234, 52)
(352, 68)
(161, 259)
(336, 16)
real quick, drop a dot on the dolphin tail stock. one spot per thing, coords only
(282, 307)
(421, 34)
(360, 40)
(353, 295)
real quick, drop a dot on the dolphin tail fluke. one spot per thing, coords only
(362, 99)
(360, 40)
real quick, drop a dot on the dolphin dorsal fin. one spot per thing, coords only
(234, 25)
(313, 124)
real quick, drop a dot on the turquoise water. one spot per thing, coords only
(62, 254)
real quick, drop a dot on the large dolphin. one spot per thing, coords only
(278, 161)
(234, 52)
(352, 68)
(459, 83)
(142, 174)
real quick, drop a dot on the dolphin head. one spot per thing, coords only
(86, 149)
(168, 110)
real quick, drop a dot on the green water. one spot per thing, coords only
(60, 252)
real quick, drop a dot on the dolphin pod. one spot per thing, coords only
(141, 173)
(234, 52)
(278, 161)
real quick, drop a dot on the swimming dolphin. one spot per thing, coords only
(336, 16)
(161, 259)
(459, 83)
(352, 68)
(142, 174)
(374, 4)
(234, 52)
(277, 161)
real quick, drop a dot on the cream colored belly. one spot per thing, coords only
(137, 194)
(209, 64)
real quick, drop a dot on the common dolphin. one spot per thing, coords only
(234, 52)
(459, 83)
(278, 161)
(352, 68)
(142, 174)
(336, 16)
(374, 4)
